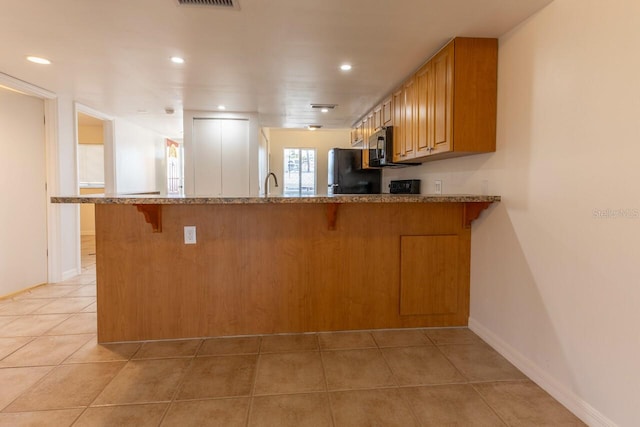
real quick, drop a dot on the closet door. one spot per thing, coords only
(235, 157)
(221, 157)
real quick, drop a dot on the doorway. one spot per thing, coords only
(91, 180)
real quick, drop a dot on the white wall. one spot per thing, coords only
(63, 218)
(23, 231)
(139, 158)
(554, 283)
(321, 140)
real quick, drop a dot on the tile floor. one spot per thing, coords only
(53, 373)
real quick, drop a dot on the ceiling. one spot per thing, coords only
(275, 57)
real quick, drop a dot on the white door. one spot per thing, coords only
(235, 158)
(23, 211)
(221, 157)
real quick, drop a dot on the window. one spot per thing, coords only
(299, 171)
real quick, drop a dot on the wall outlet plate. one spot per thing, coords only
(190, 235)
(438, 189)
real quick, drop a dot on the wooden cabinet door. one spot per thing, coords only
(442, 106)
(387, 118)
(367, 126)
(377, 118)
(423, 114)
(408, 120)
(397, 101)
(429, 274)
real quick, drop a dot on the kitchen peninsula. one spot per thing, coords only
(279, 264)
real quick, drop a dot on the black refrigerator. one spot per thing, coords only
(346, 175)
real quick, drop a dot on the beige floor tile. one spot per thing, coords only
(68, 386)
(352, 369)
(383, 407)
(59, 418)
(210, 413)
(14, 381)
(19, 307)
(84, 291)
(286, 373)
(219, 376)
(94, 352)
(283, 343)
(524, 404)
(82, 279)
(9, 345)
(46, 351)
(5, 320)
(228, 346)
(92, 308)
(452, 336)
(479, 362)
(144, 381)
(32, 325)
(297, 410)
(450, 405)
(48, 291)
(168, 349)
(345, 340)
(400, 338)
(65, 305)
(420, 366)
(148, 415)
(82, 323)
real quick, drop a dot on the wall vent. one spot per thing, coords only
(227, 4)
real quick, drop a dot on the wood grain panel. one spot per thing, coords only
(429, 274)
(264, 269)
(475, 97)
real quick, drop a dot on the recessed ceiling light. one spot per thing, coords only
(324, 110)
(314, 127)
(38, 60)
(345, 67)
(221, 107)
(177, 60)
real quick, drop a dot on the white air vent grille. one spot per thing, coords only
(230, 4)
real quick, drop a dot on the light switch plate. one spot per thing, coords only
(438, 186)
(190, 235)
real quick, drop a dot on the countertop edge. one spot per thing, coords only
(202, 200)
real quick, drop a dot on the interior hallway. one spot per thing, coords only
(53, 373)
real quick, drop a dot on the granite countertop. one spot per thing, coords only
(155, 199)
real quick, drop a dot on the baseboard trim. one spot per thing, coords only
(14, 293)
(568, 398)
(69, 274)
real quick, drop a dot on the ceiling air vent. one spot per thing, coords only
(323, 106)
(227, 4)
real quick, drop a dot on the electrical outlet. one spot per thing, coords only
(190, 235)
(438, 186)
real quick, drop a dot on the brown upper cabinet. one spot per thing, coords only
(377, 118)
(455, 99)
(447, 108)
(387, 118)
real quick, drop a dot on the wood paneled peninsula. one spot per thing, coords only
(280, 264)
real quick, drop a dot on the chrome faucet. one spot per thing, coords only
(266, 183)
